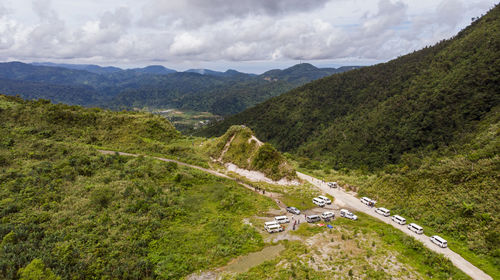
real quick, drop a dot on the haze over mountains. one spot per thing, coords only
(155, 86)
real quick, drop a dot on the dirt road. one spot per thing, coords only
(274, 196)
(354, 203)
(343, 198)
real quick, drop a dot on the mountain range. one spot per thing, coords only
(221, 93)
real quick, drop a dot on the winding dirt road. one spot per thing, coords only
(274, 196)
(354, 203)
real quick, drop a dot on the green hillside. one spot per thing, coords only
(68, 210)
(237, 146)
(372, 116)
(419, 133)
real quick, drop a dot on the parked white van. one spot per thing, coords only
(398, 220)
(319, 202)
(415, 228)
(439, 241)
(347, 214)
(382, 211)
(270, 223)
(274, 228)
(333, 184)
(327, 216)
(325, 199)
(367, 201)
(281, 219)
(313, 218)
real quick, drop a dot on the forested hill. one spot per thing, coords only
(221, 93)
(372, 116)
(71, 212)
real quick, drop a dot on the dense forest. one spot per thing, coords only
(373, 115)
(221, 93)
(419, 133)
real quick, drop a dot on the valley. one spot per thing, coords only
(139, 171)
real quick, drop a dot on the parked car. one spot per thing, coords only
(319, 202)
(398, 219)
(282, 219)
(439, 241)
(293, 210)
(382, 211)
(333, 184)
(327, 216)
(325, 199)
(313, 218)
(347, 214)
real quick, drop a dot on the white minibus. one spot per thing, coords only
(415, 228)
(325, 199)
(281, 219)
(382, 211)
(319, 202)
(273, 228)
(439, 241)
(398, 219)
(367, 201)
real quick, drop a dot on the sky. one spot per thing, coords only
(246, 35)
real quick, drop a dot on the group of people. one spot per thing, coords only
(258, 189)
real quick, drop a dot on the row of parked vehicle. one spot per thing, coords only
(275, 226)
(402, 221)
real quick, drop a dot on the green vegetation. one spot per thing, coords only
(154, 86)
(238, 147)
(453, 193)
(187, 121)
(370, 117)
(69, 211)
(366, 248)
(299, 196)
(420, 134)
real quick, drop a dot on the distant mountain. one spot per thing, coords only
(228, 73)
(302, 73)
(86, 67)
(49, 74)
(58, 93)
(221, 93)
(153, 69)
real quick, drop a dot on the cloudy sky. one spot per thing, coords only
(247, 35)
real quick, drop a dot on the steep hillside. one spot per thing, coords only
(371, 116)
(240, 147)
(68, 210)
(419, 133)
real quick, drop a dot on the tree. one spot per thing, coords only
(36, 270)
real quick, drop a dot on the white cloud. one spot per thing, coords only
(199, 31)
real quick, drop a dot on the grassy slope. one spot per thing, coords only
(249, 155)
(86, 215)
